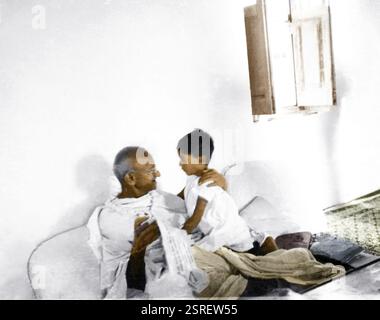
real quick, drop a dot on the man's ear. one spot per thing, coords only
(130, 179)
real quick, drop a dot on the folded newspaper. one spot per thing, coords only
(171, 270)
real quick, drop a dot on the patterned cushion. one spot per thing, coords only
(358, 221)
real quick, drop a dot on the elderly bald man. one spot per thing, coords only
(117, 232)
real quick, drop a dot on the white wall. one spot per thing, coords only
(105, 74)
(334, 155)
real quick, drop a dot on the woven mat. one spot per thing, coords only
(358, 221)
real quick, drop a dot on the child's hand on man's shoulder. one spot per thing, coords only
(213, 176)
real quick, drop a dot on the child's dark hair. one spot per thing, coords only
(197, 143)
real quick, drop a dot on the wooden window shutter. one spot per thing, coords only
(281, 58)
(258, 59)
(312, 53)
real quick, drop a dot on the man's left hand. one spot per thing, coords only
(145, 237)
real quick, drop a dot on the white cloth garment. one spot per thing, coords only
(112, 231)
(171, 270)
(221, 223)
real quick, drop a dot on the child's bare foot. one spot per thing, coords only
(269, 245)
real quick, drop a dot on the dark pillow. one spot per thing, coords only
(294, 240)
(333, 248)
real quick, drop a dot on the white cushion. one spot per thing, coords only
(261, 191)
(64, 267)
(263, 217)
(248, 180)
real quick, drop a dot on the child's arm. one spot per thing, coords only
(194, 220)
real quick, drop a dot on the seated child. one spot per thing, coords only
(211, 209)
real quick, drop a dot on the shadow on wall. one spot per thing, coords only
(329, 129)
(93, 178)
